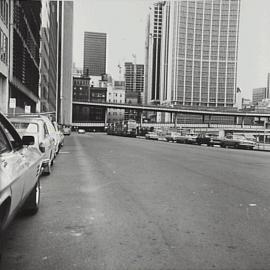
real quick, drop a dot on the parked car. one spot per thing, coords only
(67, 131)
(50, 127)
(151, 136)
(172, 136)
(237, 141)
(20, 168)
(191, 138)
(81, 131)
(181, 139)
(203, 138)
(60, 135)
(42, 140)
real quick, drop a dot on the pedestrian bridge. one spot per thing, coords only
(176, 110)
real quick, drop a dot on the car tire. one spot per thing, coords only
(31, 204)
(222, 145)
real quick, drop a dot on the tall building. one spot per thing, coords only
(4, 40)
(134, 81)
(258, 94)
(65, 48)
(25, 23)
(192, 52)
(94, 61)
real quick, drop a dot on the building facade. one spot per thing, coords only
(259, 94)
(192, 52)
(4, 54)
(64, 59)
(94, 61)
(83, 91)
(53, 52)
(115, 94)
(24, 41)
(134, 82)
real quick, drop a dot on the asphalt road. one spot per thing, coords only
(121, 203)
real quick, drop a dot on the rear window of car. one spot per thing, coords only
(26, 127)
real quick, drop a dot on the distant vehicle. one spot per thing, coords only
(187, 138)
(20, 168)
(151, 136)
(67, 131)
(203, 138)
(81, 131)
(127, 128)
(191, 138)
(172, 136)
(42, 140)
(237, 141)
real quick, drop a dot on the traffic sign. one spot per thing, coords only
(12, 103)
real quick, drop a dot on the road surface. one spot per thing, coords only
(119, 203)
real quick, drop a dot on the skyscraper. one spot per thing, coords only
(94, 61)
(192, 52)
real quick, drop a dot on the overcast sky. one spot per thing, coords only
(124, 21)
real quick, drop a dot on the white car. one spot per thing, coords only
(81, 131)
(43, 141)
(151, 136)
(20, 168)
(50, 127)
(60, 135)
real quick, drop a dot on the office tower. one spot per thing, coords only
(134, 81)
(25, 23)
(4, 34)
(192, 52)
(65, 47)
(258, 94)
(94, 61)
(134, 77)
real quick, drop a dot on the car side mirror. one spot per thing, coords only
(28, 140)
(42, 147)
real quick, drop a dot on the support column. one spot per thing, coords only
(243, 121)
(209, 122)
(235, 120)
(175, 120)
(203, 118)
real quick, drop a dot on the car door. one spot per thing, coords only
(12, 166)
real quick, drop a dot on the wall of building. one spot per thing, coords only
(24, 52)
(4, 34)
(66, 64)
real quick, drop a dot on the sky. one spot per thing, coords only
(124, 21)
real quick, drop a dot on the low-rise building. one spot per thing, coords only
(116, 94)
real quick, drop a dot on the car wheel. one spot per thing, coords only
(31, 205)
(222, 145)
